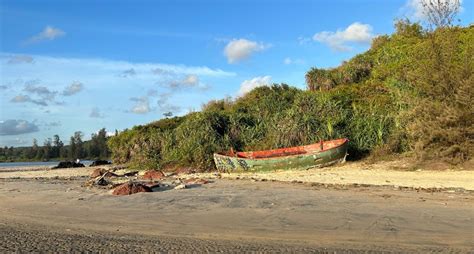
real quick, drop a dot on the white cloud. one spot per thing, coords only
(41, 91)
(19, 59)
(21, 98)
(95, 113)
(165, 106)
(191, 80)
(41, 94)
(142, 105)
(159, 71)
(25, 98)
(240, 49)
(188, 81)
(414, 8)
(72, 89)
(303, 40)
(21, 142)
(289, 60)
(49, 33)
(16, 127)
(356, 32)
(86, 67)
(249, 85)
(128, 73)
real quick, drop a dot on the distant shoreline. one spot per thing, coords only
(36, 163)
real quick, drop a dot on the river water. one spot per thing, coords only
(36, 163)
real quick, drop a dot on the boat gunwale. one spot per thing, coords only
(345, 142)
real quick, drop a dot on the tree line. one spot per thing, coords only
(55, 149)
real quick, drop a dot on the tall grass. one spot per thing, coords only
(266, 118)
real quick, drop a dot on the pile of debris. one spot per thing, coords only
(130, 188)
(124, 181)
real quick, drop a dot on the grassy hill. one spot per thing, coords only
(411, 92)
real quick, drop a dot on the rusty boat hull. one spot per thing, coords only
(301, 157)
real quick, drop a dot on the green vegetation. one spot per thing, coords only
(411, 92)
(428, 79)
(54, 149)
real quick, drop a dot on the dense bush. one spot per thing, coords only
(441, 120)
(267, 117)
(428, 75)
(412, 91)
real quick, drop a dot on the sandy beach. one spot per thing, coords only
(298, 211)
(396, 173)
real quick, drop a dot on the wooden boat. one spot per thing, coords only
(321, 154)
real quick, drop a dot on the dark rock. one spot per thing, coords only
(69, 164)
(130, 188)
(153, 175)
(100, 162)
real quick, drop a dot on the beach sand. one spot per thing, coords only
(49, 210)
(397, 173)
(389, 173)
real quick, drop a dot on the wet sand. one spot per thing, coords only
(51, 214)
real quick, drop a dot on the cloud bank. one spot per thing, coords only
(16, 127)
(101, 76)
(37, 94)
(113, 69)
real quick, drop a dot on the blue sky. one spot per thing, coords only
(70, 66)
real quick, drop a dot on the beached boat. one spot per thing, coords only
(320, 154)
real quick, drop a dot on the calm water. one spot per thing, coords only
(36, 163)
